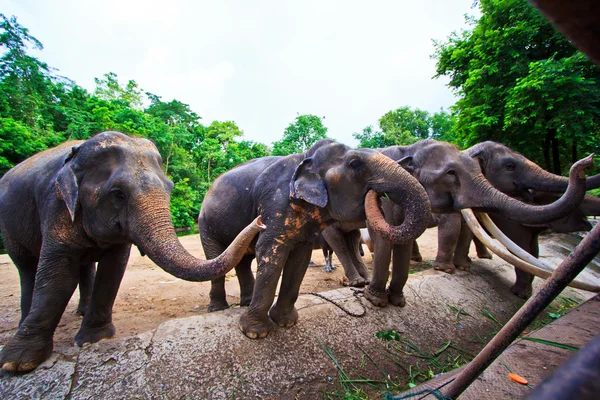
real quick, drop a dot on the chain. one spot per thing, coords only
(356, 294)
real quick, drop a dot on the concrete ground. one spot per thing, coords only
(206, 356)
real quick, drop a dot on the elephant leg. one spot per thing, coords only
(461, 257)
(327, 259)
(336, 240)
(523, 237)
(415, 253)
(330, 258)
(352, 240)
(97, 321)
(217, 294)
(448, 233)
(482, 251)
(246, 280)
(401, 256)
(87, 273)
(360, 250)
(376, 291)
(283, 313)
(56, 278)
(26, 264)
(255, 323)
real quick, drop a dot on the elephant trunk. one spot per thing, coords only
(485, 197)
(542, 180)
(152, 231)
(404, 190)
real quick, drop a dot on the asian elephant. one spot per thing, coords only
(453, 180)
(520, 178)
(298, 195)
(86, 201)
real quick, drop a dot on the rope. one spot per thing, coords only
(356, 294)
(438, 395)
(435, 392)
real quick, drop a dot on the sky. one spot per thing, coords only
(258, 63)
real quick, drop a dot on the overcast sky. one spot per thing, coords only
(258, 63)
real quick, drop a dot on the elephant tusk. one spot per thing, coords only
(503, 253)
(510, 245)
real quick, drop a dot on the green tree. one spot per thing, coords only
(521, 83)
(300, 135)
(109, 88)
(404, 126)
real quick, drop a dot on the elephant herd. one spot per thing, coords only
(81, 203)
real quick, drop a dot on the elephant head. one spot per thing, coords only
(515, 175)
(114, 186)
(347, 183)
(453, 181)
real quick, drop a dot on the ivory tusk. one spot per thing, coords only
(495, 246)
(509, 244)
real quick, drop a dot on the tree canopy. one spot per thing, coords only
(300, 135)
(405, 126)
(520, 82)
(39, 109)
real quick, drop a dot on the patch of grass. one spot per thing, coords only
(416, 266)
(559, 307)
(398, 348)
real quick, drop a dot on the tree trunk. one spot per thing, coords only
(555, 152)
(547, 152)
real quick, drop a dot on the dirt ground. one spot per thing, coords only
(149, 296)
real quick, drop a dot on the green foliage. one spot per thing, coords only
(300, 135)
(40, 110)
(405, 126)
(521, 83)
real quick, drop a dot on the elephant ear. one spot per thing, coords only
(307, 185)
(481, 155)
(407, 164)
(67, 186)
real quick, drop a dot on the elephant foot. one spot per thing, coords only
(244, 301)
(82, 307)
(283, 318)
(23, 354)
(376, 297)
(254, 328)
(486, 255)
(357, 281)
(416, 257)
(522, 292)
(397, 299)
(219, 305)
(448, 268)
(94, 334)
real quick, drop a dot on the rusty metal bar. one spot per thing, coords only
(577, 378)
(562, 276)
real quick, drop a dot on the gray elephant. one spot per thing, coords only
(298, 195)
(520, 178)
(68, 207)
(453, 181)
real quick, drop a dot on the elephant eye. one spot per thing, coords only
(355, 163)
(510, 167)
(117, 194)
(451, 172)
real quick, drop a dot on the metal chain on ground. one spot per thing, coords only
(356, 294)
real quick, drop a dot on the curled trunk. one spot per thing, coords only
(485, 197)
(404, 190)
(153, 232)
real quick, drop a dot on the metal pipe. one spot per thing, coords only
(577, 378)
(564, 273)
